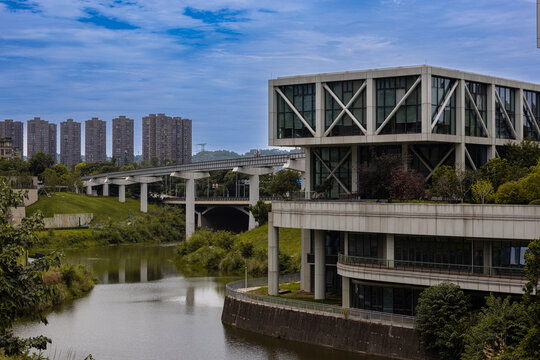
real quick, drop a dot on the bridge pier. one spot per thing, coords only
(105, 189)
(144, 181)
(122, 193)
(89, 190)
(254, 173)
(190, 177)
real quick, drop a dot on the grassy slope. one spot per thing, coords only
(103, 208)
(289, 239)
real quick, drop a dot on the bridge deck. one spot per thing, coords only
(261, 161)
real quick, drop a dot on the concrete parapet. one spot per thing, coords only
(68, 220)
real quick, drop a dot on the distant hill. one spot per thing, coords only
(226, 154)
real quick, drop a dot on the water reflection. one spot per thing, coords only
(126, 263)
(145, 309)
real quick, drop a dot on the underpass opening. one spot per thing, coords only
(228, 218)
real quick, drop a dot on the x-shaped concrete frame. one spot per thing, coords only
(345, 108)
(332, 171)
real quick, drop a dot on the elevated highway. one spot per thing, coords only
(251, 166)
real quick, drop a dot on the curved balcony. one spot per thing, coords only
(469, 277)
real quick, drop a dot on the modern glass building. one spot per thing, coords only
(380, 256)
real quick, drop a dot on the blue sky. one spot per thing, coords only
(210, 60)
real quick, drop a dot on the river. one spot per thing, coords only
(145, 308)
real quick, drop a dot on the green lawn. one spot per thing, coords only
(290, 240)
(103, 208)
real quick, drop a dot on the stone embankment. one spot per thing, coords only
(337, 332)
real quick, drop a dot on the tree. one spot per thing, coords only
(61, 169)
(406, 184)
(50, 179)
(510, 193)
(374, 179)
(482, 191)
(260, 211)
(22, 288)
(39, 162)
(499, 171)
(525, 154)
(499, 329)
(442, 312)
(452, 184)
(284, 183)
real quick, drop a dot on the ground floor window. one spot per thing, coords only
(392, 299)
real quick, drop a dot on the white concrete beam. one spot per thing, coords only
(296, 165)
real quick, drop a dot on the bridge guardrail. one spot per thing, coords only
(232, 290)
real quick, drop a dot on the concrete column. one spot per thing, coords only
(320, 266)
(306, 180)
(199, 219)
(389, 249)
(519, 113)
(144, 197)
(354, 169)
(491, 110)
(371, 108)
(460, 109)
(425, 88)
(460, 155)
(273, 257)
(253, 198)
(405, 156)
(122, 193)
(345, 292)
(319, 109)
(190, 207)
(491, 153)
(105, 189)
(305, 281)
(89, 190)
(190, 178)
(488, 262)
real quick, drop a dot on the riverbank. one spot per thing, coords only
(225, 252)
(68, 282)
(159, 225)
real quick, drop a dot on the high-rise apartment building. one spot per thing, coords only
(7, 150)
(13, 130)
(70, 143)
(41, 137)
(166, 137)
(122, 140)
(95, 140)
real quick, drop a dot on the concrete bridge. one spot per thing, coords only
(223, 213)
(252, 166)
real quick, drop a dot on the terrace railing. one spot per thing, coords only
(237, 290)
(432, 267)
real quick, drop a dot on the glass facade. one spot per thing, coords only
(509, 253)
(408, 119)
(440, 88)
(436, 250)
(478, 154)
(529, 130)
(364, 244)
(508, 98)
(332, 156)
(302, 97)
(432, 154)
(345, 90)
(472, 122)
(392, 299)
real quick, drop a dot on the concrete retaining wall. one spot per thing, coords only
(68, 220)
(335, 332)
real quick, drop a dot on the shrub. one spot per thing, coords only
(260, 211)
(406, 184)
(510, 193)
(247, 249)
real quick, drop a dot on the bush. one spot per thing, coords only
(535, 202)
(510, 193)
(442, 312)
(260, 211)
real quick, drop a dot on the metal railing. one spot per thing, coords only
(221, 198)
(431, 267)
(232, 290)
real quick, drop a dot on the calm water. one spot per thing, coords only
(144, 308)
